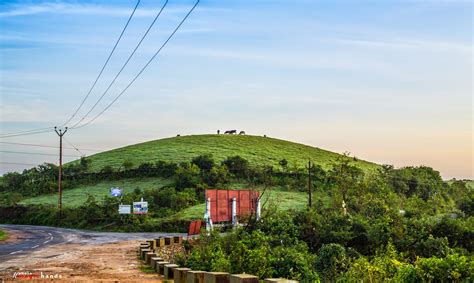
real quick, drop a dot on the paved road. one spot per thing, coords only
(37, 237)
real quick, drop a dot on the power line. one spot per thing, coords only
(48, 146)
(103, 67)
(75, 148)
(40, 130)
(19, 163)
(139, 73)
(26, 133)
(34, 153)
(123, 66)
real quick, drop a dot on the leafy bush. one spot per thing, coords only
(332, 261)
(433, 247)
(453, 268)
(218, 175)
(294, 262)
(208, 255)
(249, 252)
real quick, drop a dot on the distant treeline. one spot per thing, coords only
(201, 171)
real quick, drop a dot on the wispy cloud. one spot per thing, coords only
(404, 44)
(88, 9)
(20, 113)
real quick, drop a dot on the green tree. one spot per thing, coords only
(187, 175)
(237, 166)
(218, 175)
(205, 162)
(345, 177)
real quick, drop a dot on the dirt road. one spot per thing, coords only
(72, 255)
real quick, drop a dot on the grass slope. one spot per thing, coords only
(258, 150)
(77, 196)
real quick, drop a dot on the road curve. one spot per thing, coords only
(37, 237)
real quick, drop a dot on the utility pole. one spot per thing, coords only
(60, 194)
(310, 183)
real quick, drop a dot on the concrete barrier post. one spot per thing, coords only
(160, 242)
(143, 252)
(180, 274)
(243, 278)
(152, 244)
(154, 260)
(178, 240)
(148, 257)
(168, 241)
(169, 270)
(142, 246)
(160, 267)
(216, 277)
(195, 276)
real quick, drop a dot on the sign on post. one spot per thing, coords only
(140, 207)
(125, 209)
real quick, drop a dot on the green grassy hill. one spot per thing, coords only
(258, 150)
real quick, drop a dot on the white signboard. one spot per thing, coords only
(140, 207)
(125, 209)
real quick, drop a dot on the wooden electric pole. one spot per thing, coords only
(60, 194)
(310, 183)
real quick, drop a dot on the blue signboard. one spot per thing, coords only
(116, 192)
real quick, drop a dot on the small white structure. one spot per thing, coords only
(207, 215)
(259, 209)
(235, 221)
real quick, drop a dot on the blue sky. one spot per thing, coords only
(388, 81)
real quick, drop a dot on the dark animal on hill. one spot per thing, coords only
(230, 132)
(242, 133)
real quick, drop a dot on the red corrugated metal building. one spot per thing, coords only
(221, 203)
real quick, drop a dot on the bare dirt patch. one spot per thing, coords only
(75, 262)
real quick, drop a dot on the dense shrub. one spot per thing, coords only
(294, 262)
(204, 162)
(208, 255)
(187, 175)
(452, 268)
(332, 261)
(218, 175)
(252, 252)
